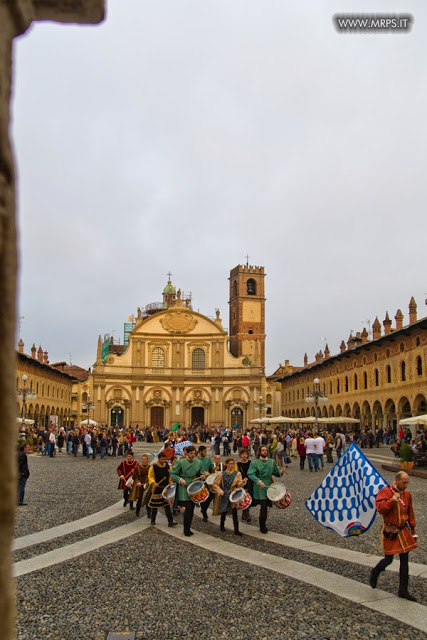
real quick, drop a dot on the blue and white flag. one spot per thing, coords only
(345, 501)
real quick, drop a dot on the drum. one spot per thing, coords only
(211, 479)
(279, 495)
(198, 491)
(169, 493)
(240, 499)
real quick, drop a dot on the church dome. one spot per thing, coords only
(169, 288)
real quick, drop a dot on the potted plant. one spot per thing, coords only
(406, 456)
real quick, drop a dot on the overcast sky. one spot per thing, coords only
(183, 134)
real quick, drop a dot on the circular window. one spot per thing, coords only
(250, 332)
(402, 347)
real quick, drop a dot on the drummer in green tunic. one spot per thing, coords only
(184, 472)
(260, 472)
(207, 467)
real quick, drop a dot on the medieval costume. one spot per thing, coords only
(187, 469)
(140, 480)
(243, 467)
(207, 467)
(225, 483)
(125, 469)
(262, 470)
(159, 478)
(397, 534)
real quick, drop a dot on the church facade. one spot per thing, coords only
(180, 366)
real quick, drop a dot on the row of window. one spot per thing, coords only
(295, 395)
(158, 358)
(37, 388)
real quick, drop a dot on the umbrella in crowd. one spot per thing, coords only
(179, 449)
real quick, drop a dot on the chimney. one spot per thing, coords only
(286, 364)
(327, 352)
(305, 359)
(399, 319)
(342, 346)
(33, 351)
(412, 310)
(387, 324)
(376, 329)
(364, 335)
(45, 357)
(21, 346)
(350, 341)
(40, 354)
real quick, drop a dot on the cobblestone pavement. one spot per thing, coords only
(164, 589)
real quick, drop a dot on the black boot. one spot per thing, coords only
(148, 512)
(153, 516)
(374, 578)
(131, 507)
(236, 524)
(169, 516)
(262, 526)
(222, 524)
(137, 513)
(404, 579)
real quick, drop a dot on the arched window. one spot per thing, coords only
(365, 380)
(158, 358)
(346, 383)
(403, 371)
(268, 398)
(338, 386)
(330, 387)
(251, 287)
(198, 359)
(402, 347)
(388, 370)
(377, 378)
(419, 366)
(355, 382)
(235, 289)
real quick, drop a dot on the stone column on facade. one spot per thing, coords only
(220, 417)
(373, 416)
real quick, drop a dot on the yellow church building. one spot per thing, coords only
(178, 365)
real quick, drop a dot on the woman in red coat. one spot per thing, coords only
(398, 531)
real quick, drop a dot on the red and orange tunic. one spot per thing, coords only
(399, 521)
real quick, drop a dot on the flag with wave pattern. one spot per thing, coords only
(345, 501)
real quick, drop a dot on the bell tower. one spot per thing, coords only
(247, 313)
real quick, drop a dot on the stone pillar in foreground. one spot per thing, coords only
(15, 18)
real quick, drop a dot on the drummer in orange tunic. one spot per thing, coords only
(398, 531)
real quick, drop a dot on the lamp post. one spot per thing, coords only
(315, 396)
(25, 393)
(88, 406)
(260, 406)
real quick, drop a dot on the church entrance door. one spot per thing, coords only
(117, 416)
(237, 417)
(197, 415)
(157, 416)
